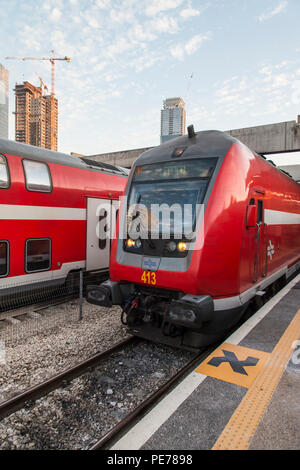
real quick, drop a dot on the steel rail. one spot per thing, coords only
(106, 441)
(43, 305)
(38, 391)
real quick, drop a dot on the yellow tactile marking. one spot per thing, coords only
(244, 421)
(238, 373)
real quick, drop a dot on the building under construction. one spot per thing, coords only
(36, 116)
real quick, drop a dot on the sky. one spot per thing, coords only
(236, 63)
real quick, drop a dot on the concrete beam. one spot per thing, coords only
(272, 138)
(293, 170)
(124, 158)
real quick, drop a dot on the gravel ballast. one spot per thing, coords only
(58, 340)
(77, 415)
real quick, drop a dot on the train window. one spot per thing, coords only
(37, 176)
(259, 211)
(38, 254)
(4, 257)
(4, 176)
(197, 168)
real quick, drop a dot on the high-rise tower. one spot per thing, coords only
(4, 78)
(36, 114)
(173, 118)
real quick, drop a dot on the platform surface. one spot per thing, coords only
(245, 395)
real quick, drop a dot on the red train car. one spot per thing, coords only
(185, 288)
(48, 212)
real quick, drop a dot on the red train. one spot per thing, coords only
(188, 289)
(48, 211)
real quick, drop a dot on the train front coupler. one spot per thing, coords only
(108, 293)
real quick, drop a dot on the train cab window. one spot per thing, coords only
(4, 176)
(4, 257)
(259, 211)
(37, 176)
(38, 254)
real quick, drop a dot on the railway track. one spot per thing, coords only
(35, 308)
(106, 441)
(13, 305)
(29, 396)
(38, 391)
(15, 308)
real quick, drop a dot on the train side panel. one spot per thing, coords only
(272, 247)
(59, 215)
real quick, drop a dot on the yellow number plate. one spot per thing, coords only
(149, 277)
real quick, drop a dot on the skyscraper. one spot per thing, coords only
(4, 78)
(36, 116)
(172, 119)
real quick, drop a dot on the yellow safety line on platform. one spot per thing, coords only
(244, 421)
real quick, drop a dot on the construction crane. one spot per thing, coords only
(51, 59)
(43, 85)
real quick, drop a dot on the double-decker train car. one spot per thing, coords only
(49, 216)
(189, 279)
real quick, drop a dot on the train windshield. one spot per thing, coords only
(164, 196)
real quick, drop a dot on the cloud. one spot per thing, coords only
(156, 6)
(270, 92)
(121, 16)
(164, 24)
(139, 33)
(103, 4)
(188, 12)
(100, 66)
(270, 13)
(55, 14)
(179, 51)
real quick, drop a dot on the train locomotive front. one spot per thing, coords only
(180, 260)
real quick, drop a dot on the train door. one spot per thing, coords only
(254, 244)
(101, 217)
(261, 242)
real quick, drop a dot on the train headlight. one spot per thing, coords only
(171, 246)
(182, 246)
(130, 243)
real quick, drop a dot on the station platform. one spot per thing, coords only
(245, 395)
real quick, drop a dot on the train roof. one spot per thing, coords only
(11, 147)
(202, 144)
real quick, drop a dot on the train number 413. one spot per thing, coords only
(149, 277)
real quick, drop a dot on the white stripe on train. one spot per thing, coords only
(281, 218)
(17, 212)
